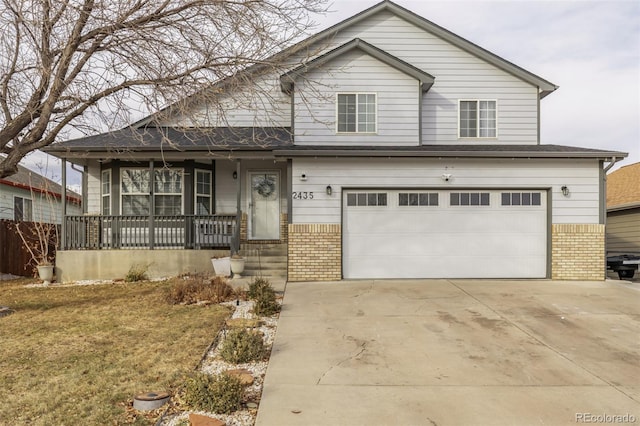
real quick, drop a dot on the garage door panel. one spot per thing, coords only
(440, 241)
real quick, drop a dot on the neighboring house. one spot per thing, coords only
(399, 150)
(623, 211)
(28, 196)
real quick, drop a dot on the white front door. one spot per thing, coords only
(264, 222)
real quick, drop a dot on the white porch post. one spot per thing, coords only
(63, 211)
(235, 246)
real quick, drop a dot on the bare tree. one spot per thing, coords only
(81, 64)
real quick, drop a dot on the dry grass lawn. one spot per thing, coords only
(78, 354)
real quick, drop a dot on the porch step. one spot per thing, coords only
(266, 260)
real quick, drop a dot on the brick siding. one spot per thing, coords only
(315, 252)
(577, 252)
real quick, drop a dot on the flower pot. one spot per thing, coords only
(221, 266)
(45, 272)
(237, 267)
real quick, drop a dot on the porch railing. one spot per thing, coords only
(150, 232)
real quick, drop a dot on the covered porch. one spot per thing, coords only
(169, 207)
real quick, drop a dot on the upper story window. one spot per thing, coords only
(478, 119)
(356, 113)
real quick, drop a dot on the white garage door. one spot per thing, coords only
(444, 234)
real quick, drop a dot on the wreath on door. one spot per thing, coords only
(265, 186)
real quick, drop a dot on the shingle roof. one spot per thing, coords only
(28, 179)
(179, 139)
(623, 187)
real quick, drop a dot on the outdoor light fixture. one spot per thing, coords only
(565, 190)
(303, 177)
(446, 177)
(329, 190)
(235, 175)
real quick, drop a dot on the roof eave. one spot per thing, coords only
(422, 153)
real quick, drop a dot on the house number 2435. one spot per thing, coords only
(302, 195)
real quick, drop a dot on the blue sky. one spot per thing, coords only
(591, 49)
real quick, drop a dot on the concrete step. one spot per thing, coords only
(265, 273)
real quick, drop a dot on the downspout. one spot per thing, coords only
(603, 207)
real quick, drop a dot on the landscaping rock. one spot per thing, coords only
(4, 311)
(245, 376)
(200, 420)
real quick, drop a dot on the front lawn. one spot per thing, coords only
(78, 354)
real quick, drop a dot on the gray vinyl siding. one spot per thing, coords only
(94, 189)
(259, 104)
(458, 75)
(623, 232)
(397, 97)
(581, 176)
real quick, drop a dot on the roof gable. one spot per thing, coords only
(545, 87)
(287, 79)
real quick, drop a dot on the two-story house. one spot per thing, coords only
(390, 148)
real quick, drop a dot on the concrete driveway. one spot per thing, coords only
(455, 352)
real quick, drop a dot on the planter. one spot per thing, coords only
(45, 272)
(237, 267)
(221, 266)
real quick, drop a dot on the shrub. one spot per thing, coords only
(194, 289)
(257, 286)
(261, 292)
(137, 272)
(241, 346)
(221, 393)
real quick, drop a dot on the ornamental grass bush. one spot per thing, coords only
(219, 393)
(241, 346)
(197, 288)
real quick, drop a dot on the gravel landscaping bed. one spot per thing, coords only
(212, 363)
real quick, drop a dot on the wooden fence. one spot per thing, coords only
(14, 257)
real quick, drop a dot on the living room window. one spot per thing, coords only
(478, 119)
(203, 192)
(106, 192)
(136, 192)
(356, 113)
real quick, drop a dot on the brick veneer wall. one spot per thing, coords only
(315, 252)
(577, 252)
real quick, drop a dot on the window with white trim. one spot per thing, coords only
(22, 209)
(167, 192)
(106, 192)
(136, 191)
(356, 113)
(203, 192)
(478, 119)
(469, 199)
